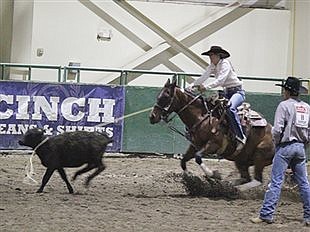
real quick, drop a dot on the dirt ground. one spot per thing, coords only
(133, 194)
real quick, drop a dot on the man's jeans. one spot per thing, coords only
(293, 155)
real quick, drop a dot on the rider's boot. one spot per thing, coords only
(240, 137)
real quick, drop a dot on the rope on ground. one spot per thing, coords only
(30, 172)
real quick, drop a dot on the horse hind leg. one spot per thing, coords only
(263, 157)
(257, 181)
(244, 174)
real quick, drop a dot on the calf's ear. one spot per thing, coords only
(42, 131)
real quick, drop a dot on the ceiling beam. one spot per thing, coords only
(232, 13)
(171, 40)
(193, 38)
(114, 23)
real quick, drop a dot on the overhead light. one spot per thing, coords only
(104, 35)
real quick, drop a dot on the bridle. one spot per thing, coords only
(166, 111)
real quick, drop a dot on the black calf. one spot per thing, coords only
(70, 149)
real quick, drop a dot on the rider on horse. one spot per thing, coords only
(226, 77)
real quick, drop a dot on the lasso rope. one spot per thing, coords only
(125, 116)
(30, 172)
(29, 167)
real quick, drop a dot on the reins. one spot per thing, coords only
(183, 108)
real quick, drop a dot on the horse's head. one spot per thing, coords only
(164, 103)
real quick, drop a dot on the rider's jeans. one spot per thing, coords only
(236, 100)
(293, 155)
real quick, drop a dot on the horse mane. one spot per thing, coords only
(200, 98)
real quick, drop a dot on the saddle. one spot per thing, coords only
(246, 114)
(250, 117)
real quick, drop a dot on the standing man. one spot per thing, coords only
(291, 133)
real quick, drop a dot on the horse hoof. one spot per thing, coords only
(86, 184)
(186, 173)
(249, 185)
(239, 181)
(216, 175)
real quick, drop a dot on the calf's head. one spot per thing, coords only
(32, 137)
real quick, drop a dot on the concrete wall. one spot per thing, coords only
(300, 37)
(22, 32)
(66, 31)
(6, 21)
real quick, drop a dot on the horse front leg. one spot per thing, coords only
(190, 153)
(207, 171)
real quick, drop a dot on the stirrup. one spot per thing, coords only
(243, 141)
(239, 147)
(240, 144)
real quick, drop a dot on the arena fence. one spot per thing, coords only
(138, 135)
(63, 71)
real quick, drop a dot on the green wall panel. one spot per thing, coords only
(139, 135)
(267, 104)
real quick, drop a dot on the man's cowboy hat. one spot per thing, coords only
(292, 84)
(217, 50)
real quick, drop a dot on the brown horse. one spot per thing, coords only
(210, 133)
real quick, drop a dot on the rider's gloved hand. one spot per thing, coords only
(201, 88)
(190, 88)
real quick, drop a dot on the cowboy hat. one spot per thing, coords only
(292, 84)
(217, 50)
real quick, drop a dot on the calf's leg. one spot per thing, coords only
(100, 168)
(46, 177)
(64, 177)
(83, 170)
